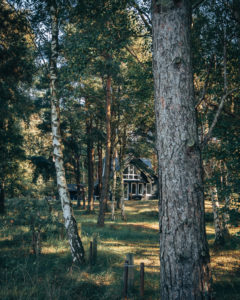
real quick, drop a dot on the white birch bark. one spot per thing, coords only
(69, 220)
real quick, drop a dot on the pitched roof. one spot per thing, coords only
(145, 166)
(73, 187)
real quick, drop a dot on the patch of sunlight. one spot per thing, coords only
(208, 206)
(210, 230)
(53, 250)
(121, 249)
(228, 261)
(144, 225)
(6, 238)
(234, 230)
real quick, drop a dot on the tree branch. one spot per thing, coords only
(195, 5)
(146, 20)
(209, 134)
(135, 56)
(205, 86)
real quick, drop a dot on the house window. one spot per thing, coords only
(131, 172)
(140, 189)
(134, 189)
(149, 188)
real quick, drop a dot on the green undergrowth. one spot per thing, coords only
(25, 274)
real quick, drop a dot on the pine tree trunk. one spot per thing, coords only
(69, 220)
(105, 188)
(226, 218)
(90, 157)
(99, 149)
(122, 200)
(77, 174)
(184, 254)
(114, 185)
(2, 198)
(219, 238)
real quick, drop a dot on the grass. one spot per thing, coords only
(51, 275)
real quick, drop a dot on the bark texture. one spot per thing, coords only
(219, 236)
(184, 254)
(105, 188)
(114, 185)
(99, 150)
(90, 157)
(69, 220)
(2, 198)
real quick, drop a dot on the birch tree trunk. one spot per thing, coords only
(69, 220)
(105, 188)
(184, 254)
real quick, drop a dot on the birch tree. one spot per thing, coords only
(70, 222)
(184, 254)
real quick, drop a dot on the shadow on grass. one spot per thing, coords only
(121, 232)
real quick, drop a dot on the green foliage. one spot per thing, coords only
(16, 70)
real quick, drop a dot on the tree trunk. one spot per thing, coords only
(219, 238)
(114, 185)
(90, 156)
(99, 149)
(184, 254)
(77, 174)
(69, 220)
(123, 216)
(2, 198)
(105, 189)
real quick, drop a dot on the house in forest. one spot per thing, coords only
(72, 188)
(140, 181)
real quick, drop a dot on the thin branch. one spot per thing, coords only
(135, 56)
(199, 2)
(146, 20)
(227, 112)
(209, 134)
(205, 87)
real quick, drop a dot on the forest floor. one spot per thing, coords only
(51, 275)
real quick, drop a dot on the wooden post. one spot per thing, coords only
(130, 270)
(142, 280)
(125, 280)
(91, 253)
(94, 253)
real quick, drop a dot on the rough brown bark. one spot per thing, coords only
(99, 150)
(69, 220)
(90, 157)
(105, 189)
(184, 254)
(219, 236)
(114, 185)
